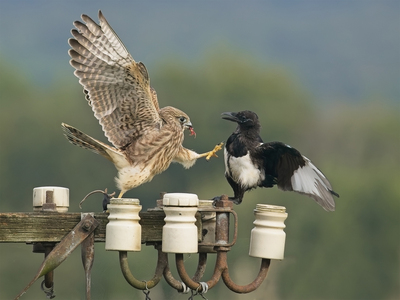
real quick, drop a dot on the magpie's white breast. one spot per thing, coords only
(242, 170)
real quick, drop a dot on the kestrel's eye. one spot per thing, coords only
(182, 119)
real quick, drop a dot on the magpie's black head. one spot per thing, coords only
(245, 119)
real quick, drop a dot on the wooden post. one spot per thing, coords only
(16, 227)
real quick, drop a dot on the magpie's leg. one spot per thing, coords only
(237, 190)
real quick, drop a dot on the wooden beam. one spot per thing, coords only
(16, 227)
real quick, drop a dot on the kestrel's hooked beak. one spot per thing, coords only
(188, 125)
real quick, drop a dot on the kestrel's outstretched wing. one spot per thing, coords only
(147, 139)
(117, 88)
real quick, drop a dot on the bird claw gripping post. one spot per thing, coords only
(68, 244)
(106, 199)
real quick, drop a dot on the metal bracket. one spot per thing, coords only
(87, 253)
(67, 245)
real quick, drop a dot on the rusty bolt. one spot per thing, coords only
(86, 225)
(224, 202)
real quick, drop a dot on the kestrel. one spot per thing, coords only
(146, 138)
(251, 163)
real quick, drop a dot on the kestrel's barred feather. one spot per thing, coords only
(117, 87)
(146, 138)
(81, 139)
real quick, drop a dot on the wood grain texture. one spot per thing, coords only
(16, 227)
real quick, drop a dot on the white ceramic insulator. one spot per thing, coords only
(60, 197)
(123, 231)
(267, 237)
(180, 232)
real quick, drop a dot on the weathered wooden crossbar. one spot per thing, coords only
(17, 227)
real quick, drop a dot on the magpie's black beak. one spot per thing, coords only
(231, 116)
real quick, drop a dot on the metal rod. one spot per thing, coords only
(162, 261)
(227, 209)
(169, 278)
(220, 266)
(180, 266)
(87, 255)
(49, 205)
(241, 289)
(49, 277)
(221, 269)
(201, 267)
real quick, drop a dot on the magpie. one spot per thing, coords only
(251, 163)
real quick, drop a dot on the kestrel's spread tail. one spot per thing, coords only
(81, 139)
(146, 138)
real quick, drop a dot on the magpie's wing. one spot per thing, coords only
(295, 172)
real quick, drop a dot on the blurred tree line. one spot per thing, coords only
(352, 253)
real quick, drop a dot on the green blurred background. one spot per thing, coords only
(323, 76)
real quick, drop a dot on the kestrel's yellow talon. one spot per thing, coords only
(215, 150)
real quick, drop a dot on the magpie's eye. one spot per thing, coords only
(182, 119)
(242, 118)
(245, 120)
